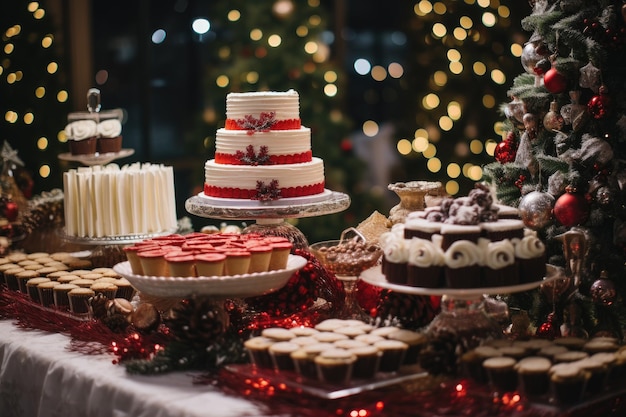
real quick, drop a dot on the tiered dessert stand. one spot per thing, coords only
(463, 310)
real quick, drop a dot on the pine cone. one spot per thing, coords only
(118, 323)
(411, 311)
(440, 355)
(197, 322)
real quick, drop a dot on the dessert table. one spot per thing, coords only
(40, 377)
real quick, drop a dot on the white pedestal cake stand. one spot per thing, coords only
(270, 215)
(462, 309)
(97, 158)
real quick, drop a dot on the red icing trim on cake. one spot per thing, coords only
(238, 193)
(287, 124)
(229, 159)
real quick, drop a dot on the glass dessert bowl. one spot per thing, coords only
(347, 258)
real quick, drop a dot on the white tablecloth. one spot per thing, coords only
(40, 377)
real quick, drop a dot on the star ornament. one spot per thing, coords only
(10, 154)
(590, 77)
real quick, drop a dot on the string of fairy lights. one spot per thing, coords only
(13, 72)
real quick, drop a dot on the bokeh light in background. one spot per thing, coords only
(445, 114)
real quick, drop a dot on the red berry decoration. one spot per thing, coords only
(11, 211)
(554, 81)
(571, 209)
(599, 105)
(505, 152)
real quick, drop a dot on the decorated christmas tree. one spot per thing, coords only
(561, 161)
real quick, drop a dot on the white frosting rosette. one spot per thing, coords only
(111, 128)
(81, 129)
(424, 253)
(497, 255)
(395, 248)
(463, 253)
(529, 247)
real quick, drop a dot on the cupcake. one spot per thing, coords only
(499, 266)
(303, 331)
(329, 337)
(463, 265)
(335, 366)
(393, 353)
(67, 278)
(6, 267)
(105, 288)
(568, 382)
(260, 257)
(420, 228)
(278, 334)
(181, 265)
(350, 331)
(23, 277)
(503, 229)
(133, 258)
(570, 342)
(304, 358)
(280, 255)
(153, 263)
(395, 257)
(596, 345)
(280, 352)
(329, 325)
(61, 298)
(83, 283)
(32, 290)
(304, 340)
(210, 264)
(531, 256)
(82, 137)
(109, 136)
(501, 373)
(348, 343)
(425, 264)
(451, 233)
(598, 374)
(414, 340)
(237, 262)
(533, 375)
(10, 277)
(472, 362)
(258, 350)
(46, 293)
(367, 361)
(124, 289)
(570, 356)
(79, 300)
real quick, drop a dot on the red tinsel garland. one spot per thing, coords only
(87, 336)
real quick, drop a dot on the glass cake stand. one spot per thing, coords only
(463, 310)
(270, 215)
(97, 158)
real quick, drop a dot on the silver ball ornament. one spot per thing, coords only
(535, 209)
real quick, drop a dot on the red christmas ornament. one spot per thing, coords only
(571, 209)
(505, 152)
(11, 211)
(346, 145)
(549, 329)
(554, 81)
(600, 105)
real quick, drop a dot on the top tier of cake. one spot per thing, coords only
(261, 111)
